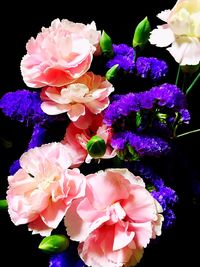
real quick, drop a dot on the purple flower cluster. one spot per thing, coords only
(142, 145)
(151, 67)
(145, 67)
(123, 56)
(165, 96)
(23, 106)
(145, 120)
(167, 198)
(68, 258)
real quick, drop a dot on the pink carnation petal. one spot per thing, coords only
(39, 227)
(89, 214)
(51, 108)
(139, 206)
(83, 122)
(122, 237)
(143, 233)
(77, 229)
(54, 213)
(113, 185)
(76, 111)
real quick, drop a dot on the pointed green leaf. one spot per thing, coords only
(138, 119)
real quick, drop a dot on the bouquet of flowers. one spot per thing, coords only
(104, 119)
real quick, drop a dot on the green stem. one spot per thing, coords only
(192, 84)
(190, 132)
(178, 75)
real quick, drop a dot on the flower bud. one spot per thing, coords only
(106, 44)
(111, 73)
(96, 147)
(54, 244)
(141, 34)
(3, 204)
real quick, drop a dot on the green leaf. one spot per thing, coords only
(138, 119)
(106, 44)
(3, 204)
(54, 244)
(141, 34)
(111, 73)
(134, 155)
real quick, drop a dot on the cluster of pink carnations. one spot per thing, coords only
(110, 212)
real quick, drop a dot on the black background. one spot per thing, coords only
(18, 24)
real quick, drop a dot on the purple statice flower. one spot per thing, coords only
(14, 167)
(185, 115)
(170, 96)
(38, 136)
(150, 67)
(148, 145)
(23, 106)
(142, 145)
(123, 56)
(167, 197)
(169, 218)
(68, 258)
(120, 140)
(123, 50)
(164, 195)
(164, 96)
(121, 107)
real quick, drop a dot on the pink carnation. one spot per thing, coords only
(42, 190)
(89, 94)
(115, 220)
(59, 54)
(78, 138)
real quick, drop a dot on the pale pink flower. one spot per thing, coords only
(78, 138)
(89, 94)
(42, 190)
(59, 54)
(181, 31)
(115, 220)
